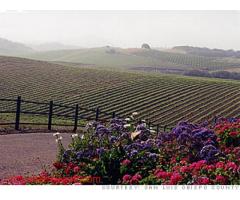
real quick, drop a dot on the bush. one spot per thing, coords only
(128, 152)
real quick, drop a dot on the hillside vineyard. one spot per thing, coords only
(163, 99)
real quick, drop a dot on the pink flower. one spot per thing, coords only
(135, 179)
(126, 162)
(163, 175)
(127, 178)
(197, 165)
(175, 178)
(76, 169)
(210, 167)
(233, 133)
(220, 165)
(231, 166)
(220, 179)
(184, 169)
(203, 181)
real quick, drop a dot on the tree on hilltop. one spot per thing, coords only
(146, 46)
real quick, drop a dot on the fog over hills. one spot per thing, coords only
(210, 28)
(8, 47)
(52, 46)
(206, 51)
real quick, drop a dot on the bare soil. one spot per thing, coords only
(26, 154)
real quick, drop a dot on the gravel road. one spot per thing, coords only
(21, 154)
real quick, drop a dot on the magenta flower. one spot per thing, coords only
(126, 162)
(127, 178)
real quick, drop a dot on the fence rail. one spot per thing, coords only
(50, 113)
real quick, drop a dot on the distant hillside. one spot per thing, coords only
(52, 46)
(132, 58)
(10, 48)
(206, 51)
(102, 56)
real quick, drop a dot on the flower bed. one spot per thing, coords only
(128, 152)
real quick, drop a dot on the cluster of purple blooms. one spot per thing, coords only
(200, 141)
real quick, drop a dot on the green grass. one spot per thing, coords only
(37, 119)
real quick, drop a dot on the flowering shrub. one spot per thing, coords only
(228, 132)
(128, 152)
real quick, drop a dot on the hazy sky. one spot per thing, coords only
(214, 29)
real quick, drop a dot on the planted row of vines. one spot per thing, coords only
(160, 99)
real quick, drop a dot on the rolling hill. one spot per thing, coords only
(163, 99)
(136, 58)
(206, 51)
(10, 48)
(178, 60)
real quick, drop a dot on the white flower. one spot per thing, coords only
(135, 134)
(74, 135)
(59, 139)
(81, 136)
(127, 125)
(135, 113)
(128, 119)
(152, 131)
(56, 134)
(89, 123)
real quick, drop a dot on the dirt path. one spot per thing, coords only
(27, 153)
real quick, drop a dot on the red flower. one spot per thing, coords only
(197, 165)
(58, 165)
(135, 179)
(210, 167)
(125, 162)
(231, 166)
(76, 169)
(220, 165)
(67, 170)
(184, 169)
(163, 175)
(126, 178)
(175, 178)
(220, 179)
(233, 133)
(203, 181)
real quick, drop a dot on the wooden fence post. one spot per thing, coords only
(18, 111)
(164, 128)
(113, 115)
(97, 113)
(50, 115)
(149, 124)
(215, 120)
(76, 119)
(157, 128)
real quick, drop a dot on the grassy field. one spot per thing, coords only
(163, 99)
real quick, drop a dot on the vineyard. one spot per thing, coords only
(135, 57)
(188, 61)
(162, 99)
